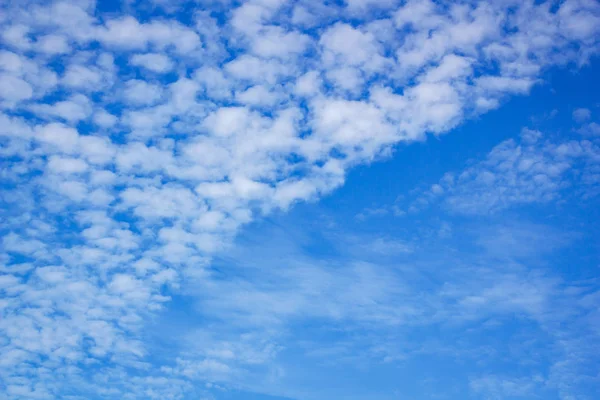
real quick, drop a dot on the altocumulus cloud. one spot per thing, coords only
(138, 138)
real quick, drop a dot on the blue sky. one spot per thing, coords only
(299, 200)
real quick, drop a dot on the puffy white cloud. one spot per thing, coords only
(74, 109)
(59, 136)
(591, 129)
(66, 165)
(308, 84)
(128, 33)
(96, 149)
(258, 96)
(139, 93)
(82, 77)
(104, 119)
(253, 69)
(154, 62)
(343, 44)
(215, 82)
(16, 35)
(581, 115)
(53, 44)
(14, 89)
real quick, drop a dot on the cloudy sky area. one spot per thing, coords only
(269, 200)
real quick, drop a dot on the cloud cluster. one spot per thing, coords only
(531, 170)
(136, 146)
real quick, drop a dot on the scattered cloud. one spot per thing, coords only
(138, 145)
(581, 115)
(515, 173)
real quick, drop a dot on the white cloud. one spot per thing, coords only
(308, 84)
(253, 69)
(81, 77)
(591, 129)
(154, 62)
(273, 41)
(66, 165)
(518, 173)
(53, 44)
(346, 45)
(258, 96)
(581, 115)
(60, 136)
(128, 33)
(14, 89)
(104, 119)
(97, 150)
(217, 86)
(74, 109)
(16, 35)
(138, 93)
(494, 84)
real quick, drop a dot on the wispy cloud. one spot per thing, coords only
(515, 173)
